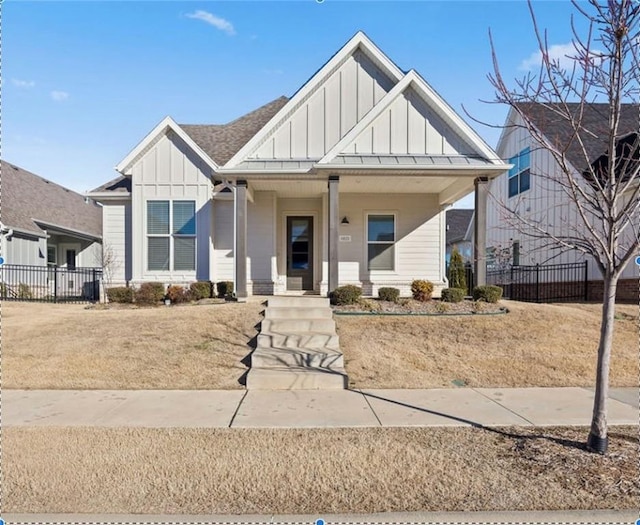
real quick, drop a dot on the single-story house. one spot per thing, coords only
(45, 224)
(346, 182)
(528, 188)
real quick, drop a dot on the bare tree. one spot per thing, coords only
(109, 261)
(602, 190)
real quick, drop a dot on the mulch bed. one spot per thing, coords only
(413, 307)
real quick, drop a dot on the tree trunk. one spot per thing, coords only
(598, 440)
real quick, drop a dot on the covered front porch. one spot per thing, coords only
(310, 233)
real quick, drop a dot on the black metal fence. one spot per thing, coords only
(20, 282)
(543, 283)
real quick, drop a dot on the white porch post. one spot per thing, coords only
(334, 219)
(480, 231)
(240, 258)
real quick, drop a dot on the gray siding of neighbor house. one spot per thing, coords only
(21, 249)
(170, 170)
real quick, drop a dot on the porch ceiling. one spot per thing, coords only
(365, 184)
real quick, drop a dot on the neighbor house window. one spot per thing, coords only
(52, 255)
(171, 235)
(381, 238)
(520, 174)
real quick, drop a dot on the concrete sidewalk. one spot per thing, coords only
(313, 408)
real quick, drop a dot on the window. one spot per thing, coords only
(516, 253)
(52, 255)
(520, 175)
(381, 237)
(171, 235)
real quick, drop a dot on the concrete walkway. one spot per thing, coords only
(313, 408)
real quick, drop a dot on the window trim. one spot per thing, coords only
(519, 171)
(171, 236)
(366, 243)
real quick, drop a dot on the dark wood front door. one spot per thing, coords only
(299, 253)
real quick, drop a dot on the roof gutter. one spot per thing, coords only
(65, 230)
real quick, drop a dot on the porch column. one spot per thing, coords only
(480, 231)
(334, 220)
(241, 240)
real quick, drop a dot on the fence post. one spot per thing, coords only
(55, 284)
(537, 282)
(586, 280)
(93, 284)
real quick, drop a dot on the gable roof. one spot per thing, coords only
(121, 184)
(359, 41)
(458, 222)
(29, 202)
(221, 142)
(595, 122)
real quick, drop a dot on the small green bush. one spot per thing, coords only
(3, 290)
(487, 293)
(453, 295)
(347, 294)
(149, 294)
(389, 294)
(178, 294)
(442, 308)
(120, 294)
(24, 291)
(421, 290)
(225, 288)
(200, 290)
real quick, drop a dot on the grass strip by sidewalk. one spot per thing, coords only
(198, 471)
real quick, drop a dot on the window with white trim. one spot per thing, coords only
(171, 235)
(381, 238)
(520, 174)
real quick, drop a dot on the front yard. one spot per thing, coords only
(201, 347)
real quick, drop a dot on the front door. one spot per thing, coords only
(299, 253)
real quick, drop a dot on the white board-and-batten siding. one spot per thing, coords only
(326, 116)
(21, 249)
(545, 203)
(170, 170)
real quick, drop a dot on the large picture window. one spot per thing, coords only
(171, 235)
(520, 174)
(381, 238)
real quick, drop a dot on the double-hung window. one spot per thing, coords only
(171, 235)
(520, 174)
(381, 238)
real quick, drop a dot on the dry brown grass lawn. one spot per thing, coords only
(72, 347)
(533, 345)
(201, 347)
(233, 471)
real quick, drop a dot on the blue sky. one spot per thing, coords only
(84, 81)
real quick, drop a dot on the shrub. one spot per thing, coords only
(421, 290)
(200, 290)
(120, 294)
(347, 294)
(389, 294)
(24, 291)
(487, 293)
(457, 273)
(453, 295)
(225, 288)
(442, 308)
(178, 294)
(149, 294)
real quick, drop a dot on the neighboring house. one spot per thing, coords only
(346, 182)
(527, 188)
(460, 234)
(43, 223)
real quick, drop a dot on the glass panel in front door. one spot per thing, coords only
(299, 242)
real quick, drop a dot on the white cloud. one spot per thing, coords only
(215, 21)
(59, 96)
(26, 84)
(559, 52)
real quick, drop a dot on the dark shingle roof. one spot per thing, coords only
(221, 142)
(120, 184)
(27, 197)
(595, 123)
(458, 224)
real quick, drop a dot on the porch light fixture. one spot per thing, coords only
(344, 220)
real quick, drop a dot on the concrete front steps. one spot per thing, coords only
(298, 348)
